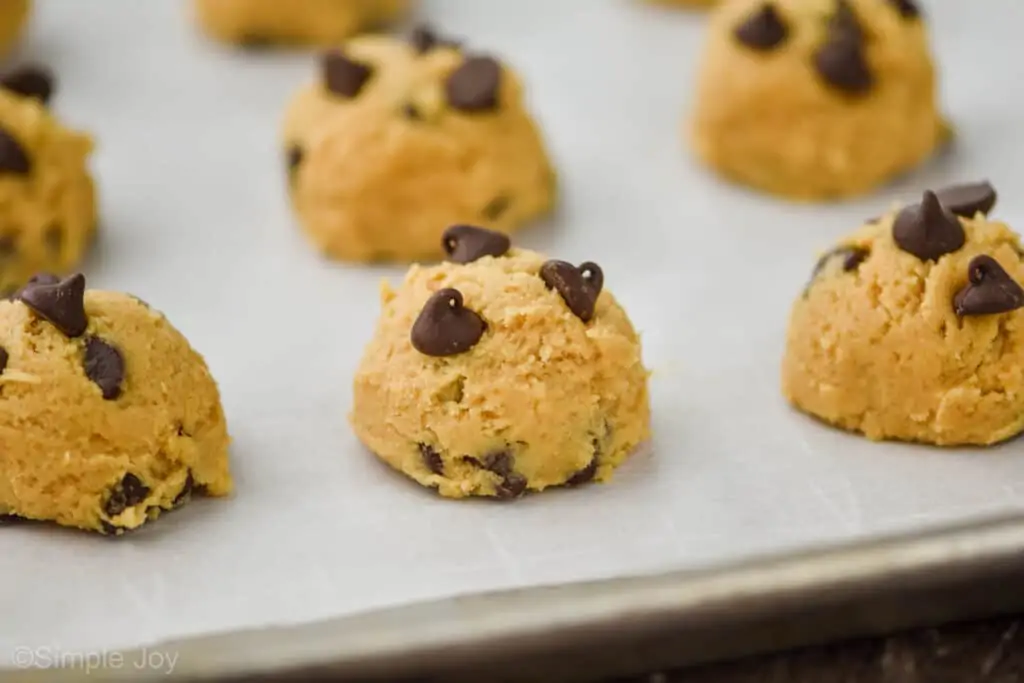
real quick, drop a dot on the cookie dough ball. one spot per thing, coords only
(912, 327)
(13, 17)
(816, 99)
(316, 22)
(107, 415)
(47, 198)
(501, 372)
(684, 3)
(400, 138)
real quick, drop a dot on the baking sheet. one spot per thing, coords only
(196, 223)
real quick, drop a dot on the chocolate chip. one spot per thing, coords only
(61, 303)
(186, 491)
(908, 9)
(585, 475)
(424, 39)
(578, 287)
(7, 245)
(511, 486)
(128, 493)
(13, 158)
(344, 76)
(763, 30)
(108, 529)
(496, 208)
(293, 158)
(841, 62)
(104, 366)
(10, 519)
(853, 256)
(928, 230)
(467, 243)
(432, 459)
(968, 199)
(31, 80)
(3, 359)
(990, 289)
(499, 462)
(445, 327)
(54, 238)
(474, 86)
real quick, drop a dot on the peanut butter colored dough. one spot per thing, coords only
(879, 348)
(380, 175)
(542, 399)
(684, 3)
(769, 119)
(14, 15)
(317, 22)
(47, 196)
(71, 456)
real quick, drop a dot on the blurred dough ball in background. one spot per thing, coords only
(314, 22)
(13, 15)
(683, 3)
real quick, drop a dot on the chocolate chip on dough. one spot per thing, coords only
(128, 493)
(61, 303)
(841, 62)
(186, 490)
(908, 9)
(344, 76)
(104, 366)
(424, 39)
(467, 243)
(13, 158)
(431, 458)
(578, 287)
(852, 257)
(968, 199)
(3, 359)
(990, 289)
(30, 80)
(928, 230)
(445, 327)
(763, 30)
(473, 87)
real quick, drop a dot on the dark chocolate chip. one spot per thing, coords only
(474, 86)
(578, 287)
(3, 359)
(928, 230)
(293, 158)
(908, 9)
(61, 303)
(424, 39)
(13, 158)
(841, 62)
(853, 256)
(181, 431)
(42, 279)
(496, 208)
(54, 238)
(186, 491)
(467, 243)
(511, 486)
(500, 462)
(410, 112)
(763, 30)
(968, 199)
(432, 459)
(128, 493)
(585, 475)
(445, 327)
(344, 76)
(31, 80)
(990, 289)
(104, 366)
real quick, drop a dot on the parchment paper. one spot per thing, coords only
(195, 221)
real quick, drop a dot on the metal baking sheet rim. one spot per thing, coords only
(621, 626)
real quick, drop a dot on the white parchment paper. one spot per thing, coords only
(195, 221)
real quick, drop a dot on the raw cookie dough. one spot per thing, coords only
(400, 138)
(316, 22)
(500, 372)
(684, 3)
(816, 99)
(13, 16)
(912, 327)
(107, 415)
(47, 198)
